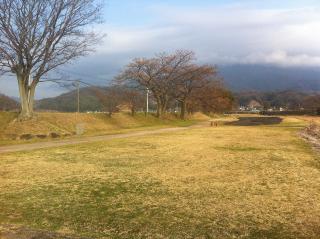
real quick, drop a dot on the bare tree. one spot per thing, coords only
(187, 80)
(145, 74)
(134, 98)
(214, 98)
(38, 36)
(157, 75)
(111, 98)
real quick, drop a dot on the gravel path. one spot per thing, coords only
(83, 140)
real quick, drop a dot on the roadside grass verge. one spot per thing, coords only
(224, 182)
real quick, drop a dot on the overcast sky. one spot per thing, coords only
(283, 33)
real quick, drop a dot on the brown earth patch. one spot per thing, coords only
(312, 135)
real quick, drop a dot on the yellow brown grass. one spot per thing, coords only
(224, 182)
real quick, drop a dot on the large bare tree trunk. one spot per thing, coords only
(183, 110)
(162, 103)
(133, 111)
(26, 97)
(158, 108)
(163, 108)
(32, 90)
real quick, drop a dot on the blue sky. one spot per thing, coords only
(136, 12)
(285, 33)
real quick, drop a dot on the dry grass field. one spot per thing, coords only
(310, 119)
(223, 182)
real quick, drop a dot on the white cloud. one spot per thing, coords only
(282, 58)
(218, 35)
(226, 34)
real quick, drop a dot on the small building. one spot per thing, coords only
(254, 106)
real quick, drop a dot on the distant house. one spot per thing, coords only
(254, 106)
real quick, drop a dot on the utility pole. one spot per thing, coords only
(79, 127)
(78, 96)
(147, 110)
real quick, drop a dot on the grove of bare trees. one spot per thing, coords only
(114, 96)
(176, 77)
(39, 36)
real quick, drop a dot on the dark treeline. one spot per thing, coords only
(289, 100)
(210, 99)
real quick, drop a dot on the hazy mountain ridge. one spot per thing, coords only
(67, 102)
(246, 81)
(270, 78)
(7, 103)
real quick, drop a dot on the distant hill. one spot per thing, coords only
(7, 103)
(268, 78)
(68, 102)
(275, 86)
(288, 99)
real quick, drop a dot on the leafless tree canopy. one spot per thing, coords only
(169, 76)
(214, 97)
(37, 36)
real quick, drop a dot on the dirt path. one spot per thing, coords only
(88, 139)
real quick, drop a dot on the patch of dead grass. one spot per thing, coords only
(224, 182)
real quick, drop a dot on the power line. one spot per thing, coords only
(48, 79)
(76, 73)
(58, 80)
(7, 74)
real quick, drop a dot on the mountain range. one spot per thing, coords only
(239, 78)
(7, 103)
(267, 78)
(68, 102)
